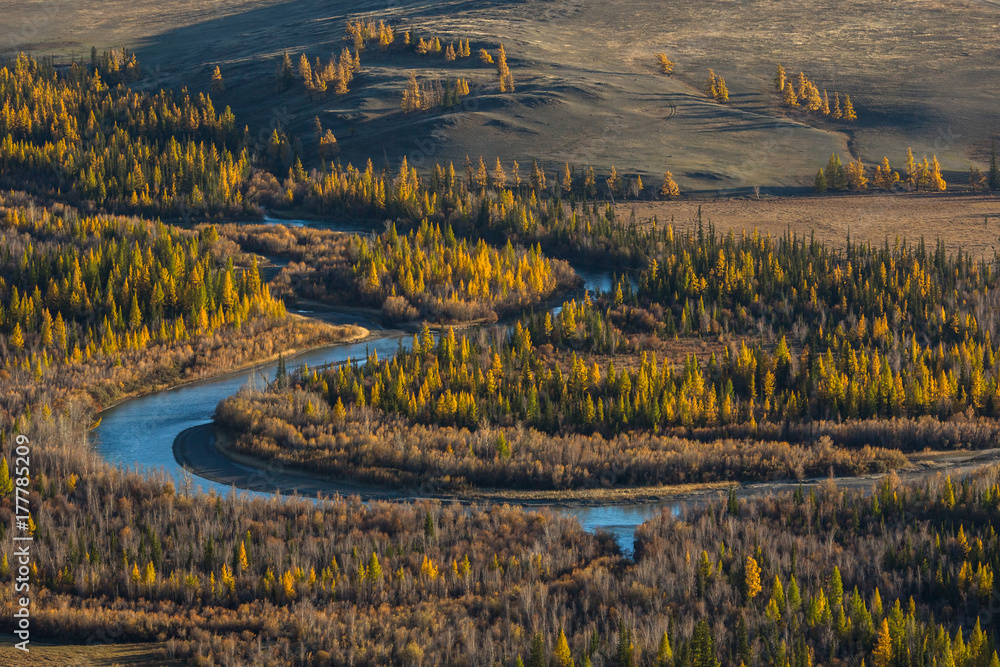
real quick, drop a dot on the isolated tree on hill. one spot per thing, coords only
(217, 85)
(666, 66)
(503, 72)
(669, 188)
(716, 87)
(485, 57)
(285, 72)
(780, 79)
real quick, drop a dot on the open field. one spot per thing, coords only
(588, 91)
(969, 223)
(77, 655)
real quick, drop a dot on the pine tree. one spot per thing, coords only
(780, 79)
(536, 656)
(849, 109)
(882, 653)
(910, 168)
(937, 182)
(281, 374)
(561, 653)
(217, 85)
(374, 569)
(626, 648)
(669, 188)
(752, 579)
(16, 338)
(820, 183)
(791, 100)
(411, 94)
(664, 653)
(305, 71)
(6, 484)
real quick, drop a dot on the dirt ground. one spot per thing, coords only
(967, 222)
(588, 90)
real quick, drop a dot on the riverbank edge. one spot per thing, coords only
(241, 470)
(368, 335)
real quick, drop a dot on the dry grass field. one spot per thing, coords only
(588, 90)
(966, 222)
(71, 655)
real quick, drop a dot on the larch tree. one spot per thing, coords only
(669, 188)
(910, 170)
(937, 182)
(849, 113)
(791, 100)
(217, 85)
(666, 66)
(780, 79)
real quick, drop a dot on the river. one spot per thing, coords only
(139, 433)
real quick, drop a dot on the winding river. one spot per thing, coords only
(140, 432)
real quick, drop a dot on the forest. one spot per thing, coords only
(714, 358)
(859, 344)
(426, 272)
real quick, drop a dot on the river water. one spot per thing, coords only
(139, 433)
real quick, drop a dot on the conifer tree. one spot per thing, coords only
(820, 184)
(752, 579)
(910, 169)
(937, 182)
(536, 656)
(882, 653)
(849, 109)
(6, 485)
(666, 66)
(669, 188)
(780, 79)
(561, 653)
(217, 85)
